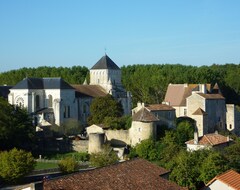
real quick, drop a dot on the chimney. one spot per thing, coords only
(195, 137)
(228, 138)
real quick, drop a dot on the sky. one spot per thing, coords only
(66, 33)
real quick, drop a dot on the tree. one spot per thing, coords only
(184, 131)
(232, 155)
(212, 165)
(186, 170)
(106, 157)
(16, 129)
(147, 150)
(15, 164)
(102, 107)
(68, 165)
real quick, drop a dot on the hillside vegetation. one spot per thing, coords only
(148, 83)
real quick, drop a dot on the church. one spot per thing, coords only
(54, 101)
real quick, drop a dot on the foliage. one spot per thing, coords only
(16, 129)
(146, 149)
(15, 164)
(106, 157)
(103, 107)
(185, 172)
(232, 154)
(123, 122)
(73, 75)
(184, 132)
(68, 165)
(211, 166)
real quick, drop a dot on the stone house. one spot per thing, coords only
(148, 119)
(54, 101)
(229, 180)
(207, 141)
(205, 104)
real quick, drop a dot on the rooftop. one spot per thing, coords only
(129, 175)
(230, 178)
(157, 107)
(89, 90)
(105, 63)
(211, 139)
(42, 83)
(144, 115)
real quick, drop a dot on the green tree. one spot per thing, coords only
(16, 129)
(15, 164)
(102, 107)
(186, 170)
(232, 154)
(184, 132)
(68, 165)
(147, 150)
(106, 157)
(212, 165)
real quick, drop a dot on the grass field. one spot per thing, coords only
(45, 165)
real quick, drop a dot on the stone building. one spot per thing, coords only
(54, 101)
(203, 103)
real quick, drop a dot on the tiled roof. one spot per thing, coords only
(177, 93)
(210, 139)
(230, 178)
(212, 96)
(144, 115)
(199, 111)
(130, 175)
(89, 90)
(156, 107)
(105, 63)
(42, 83)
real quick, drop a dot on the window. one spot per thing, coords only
(50, 101)
(66, 113)
(139, 129)
(20, 102)
(37, 102)
(185, 112)
(230, 126)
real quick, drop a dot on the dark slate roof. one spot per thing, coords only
(4, 91)
(42, 83)
(89, 90)
(105, 63)
(129, 175)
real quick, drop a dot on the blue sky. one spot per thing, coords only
(76, 32)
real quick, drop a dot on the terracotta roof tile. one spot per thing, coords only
(130, 175)
(210, 139)
(89, 90)
(156, 107)
(144, 115)
(230, 178)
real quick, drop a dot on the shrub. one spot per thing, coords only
(15, 164)
(68, 165)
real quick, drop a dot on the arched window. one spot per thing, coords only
(37, 102)
(50, 101)
(20, 102)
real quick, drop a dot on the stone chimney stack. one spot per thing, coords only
(195, 137)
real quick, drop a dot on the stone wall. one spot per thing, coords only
(80, 145)
(118, 137)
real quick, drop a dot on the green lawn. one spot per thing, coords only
(45, 165)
